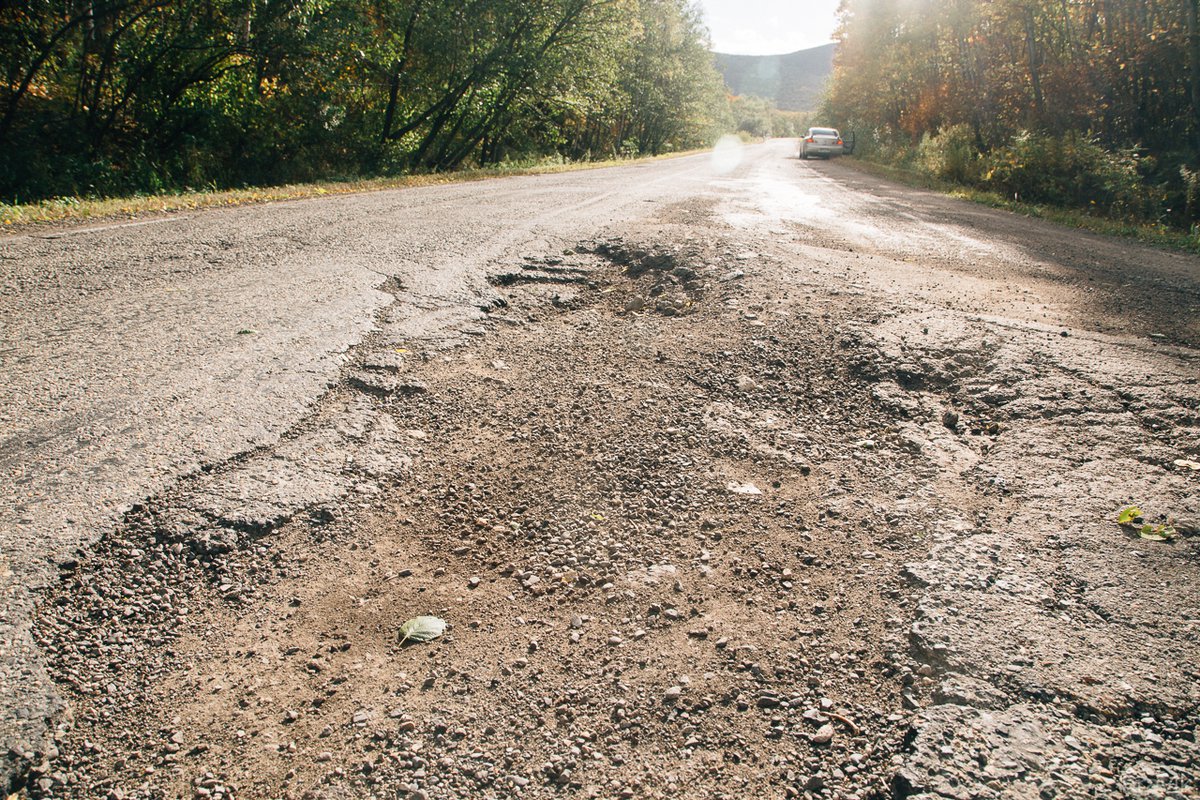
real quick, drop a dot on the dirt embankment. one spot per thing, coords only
(708, 516)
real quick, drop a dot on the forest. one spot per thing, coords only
(110, 97)
(1087, 103)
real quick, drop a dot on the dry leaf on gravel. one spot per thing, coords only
(422, 629)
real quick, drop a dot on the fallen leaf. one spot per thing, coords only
(422, 629)
(1128, 515)
(1160, 534)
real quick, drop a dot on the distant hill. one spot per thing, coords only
(794, 81)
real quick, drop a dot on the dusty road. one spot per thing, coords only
(769, 481)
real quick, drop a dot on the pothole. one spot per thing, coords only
(545, 269)
(666, 280)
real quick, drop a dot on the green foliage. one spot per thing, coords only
(754, 116)
(1089, 104)
(1128, 515)
(788, 123)
(1068, 170)
(758, 118)
(127, 96)
(1131, 517)
(951, 155)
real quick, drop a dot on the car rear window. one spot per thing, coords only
(824, 132)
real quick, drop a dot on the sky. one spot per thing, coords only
(769, 27)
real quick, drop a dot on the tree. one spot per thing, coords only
(1124, 74)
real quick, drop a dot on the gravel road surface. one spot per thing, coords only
(764, 478)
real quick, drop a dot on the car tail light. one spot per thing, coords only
(839, 141)
(811, 140)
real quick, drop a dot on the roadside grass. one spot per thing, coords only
(1157, 235)
(78, 209)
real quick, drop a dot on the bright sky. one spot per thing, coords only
(769, 27)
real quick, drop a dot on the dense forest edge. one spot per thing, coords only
(1091, 105)
(105, 98)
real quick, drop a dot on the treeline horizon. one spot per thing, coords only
(1087, 103)
(110, 97)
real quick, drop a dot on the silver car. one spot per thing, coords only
(825, 142)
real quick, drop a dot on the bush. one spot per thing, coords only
(1071, 170)
(951, 155)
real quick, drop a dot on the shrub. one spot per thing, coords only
(1191, 191)
(951, 155)
(1069, 170)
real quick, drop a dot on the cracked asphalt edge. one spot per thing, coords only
(1038, 638)
(340, 446)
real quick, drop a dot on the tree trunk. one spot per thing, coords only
(389, 115)
(1193, 32)
(397, 72)
(1035, 78)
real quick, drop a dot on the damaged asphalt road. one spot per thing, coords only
(137, 355)
(784, 481)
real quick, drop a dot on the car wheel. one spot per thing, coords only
(804, 155)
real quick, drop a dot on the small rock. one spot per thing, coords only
(824, 734)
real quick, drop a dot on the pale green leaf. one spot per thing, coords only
(422, 629)
(1155, 534)
(1128, 515)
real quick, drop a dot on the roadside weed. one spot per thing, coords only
(1131, 518)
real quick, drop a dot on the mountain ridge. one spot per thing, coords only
(794, 81)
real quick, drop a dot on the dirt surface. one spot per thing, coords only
(134, 355)
(797, 484)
